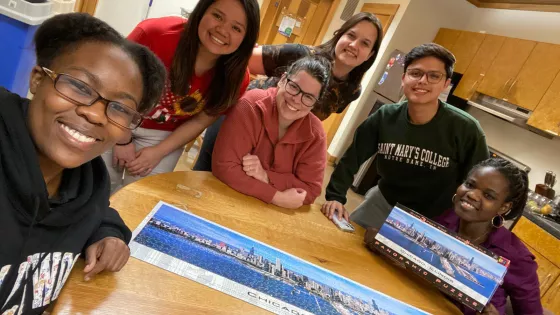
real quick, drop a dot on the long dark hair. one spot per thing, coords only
(229, 69)
(327, 49)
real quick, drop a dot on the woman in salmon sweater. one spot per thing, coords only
(270, 146)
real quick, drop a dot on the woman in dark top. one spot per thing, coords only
(495, 190)
(90, 88)
(352, 51)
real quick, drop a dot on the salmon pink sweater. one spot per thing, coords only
(297, 160)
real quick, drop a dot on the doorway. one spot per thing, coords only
(311, 19)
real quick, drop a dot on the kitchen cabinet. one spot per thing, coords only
(547, 114)
(547, 271)
(478, 67)
(535, 77)
(545, 248)
(551, 300)
(447, 37)
(506, 66)
(465, 49)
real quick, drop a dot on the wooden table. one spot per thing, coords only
(141, 288)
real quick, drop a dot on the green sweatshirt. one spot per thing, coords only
(420, 166)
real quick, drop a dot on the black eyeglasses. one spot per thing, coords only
(79, 92)
(293, 89)
(432, 77)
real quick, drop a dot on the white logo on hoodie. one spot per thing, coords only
(45, 289)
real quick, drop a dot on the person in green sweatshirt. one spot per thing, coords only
(425, 147)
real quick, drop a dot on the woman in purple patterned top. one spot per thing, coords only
(495, 190)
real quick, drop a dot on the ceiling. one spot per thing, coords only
(534, 5)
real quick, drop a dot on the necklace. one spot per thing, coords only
(481, 236)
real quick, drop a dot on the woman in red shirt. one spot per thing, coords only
(209, 52)
(271, 146)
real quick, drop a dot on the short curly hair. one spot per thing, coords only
(64, 32)
(518, 184)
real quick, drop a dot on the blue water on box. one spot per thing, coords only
(432, 258)
(232, 269)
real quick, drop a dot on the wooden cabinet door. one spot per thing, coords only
(535, 77)
(465, 49)
(480, 64)
(447, 37)
(547, 271)
(551, 299)
(543, 242)
(506, 67)
(547, 114)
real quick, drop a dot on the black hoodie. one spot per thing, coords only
(41, 238)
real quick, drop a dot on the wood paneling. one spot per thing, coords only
(447, 37)
(535, 77)
(384, 12)
(465, 49)
(543, 242)
(480, 64)
(547, 114)
(547, 271)
(506, 67)
(328, 18)
(551, 299)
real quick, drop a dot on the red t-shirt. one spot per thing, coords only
(162, 36)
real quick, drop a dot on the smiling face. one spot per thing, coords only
(482, 196)
(420, 91)
(355, 46)
(223, 27)
(290, 107)
(68, 134)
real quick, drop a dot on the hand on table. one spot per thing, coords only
(123, 154)
(490, 310)
(146, 160)
(330, 207)
(290, 198)
(109, 254)
(253, 167)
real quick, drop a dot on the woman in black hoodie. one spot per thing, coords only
(90, 87)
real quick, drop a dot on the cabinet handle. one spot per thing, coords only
(552, 294)
(505, 85)
(511, 87)
(472, 87)
(545, 282)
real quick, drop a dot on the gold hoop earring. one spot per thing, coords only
(453, 198)
(498, 221)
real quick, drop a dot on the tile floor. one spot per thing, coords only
(186, 161)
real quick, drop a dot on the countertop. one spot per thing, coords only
(551, 227)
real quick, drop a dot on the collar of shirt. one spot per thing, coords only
(498, 238)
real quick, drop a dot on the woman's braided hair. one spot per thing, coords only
(518, 184)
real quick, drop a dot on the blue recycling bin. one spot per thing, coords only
(17, 56)
(19, 21)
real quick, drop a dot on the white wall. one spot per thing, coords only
(419, 24)
(532, 25)
(170, 7)
(123, 15)
(539, 153)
